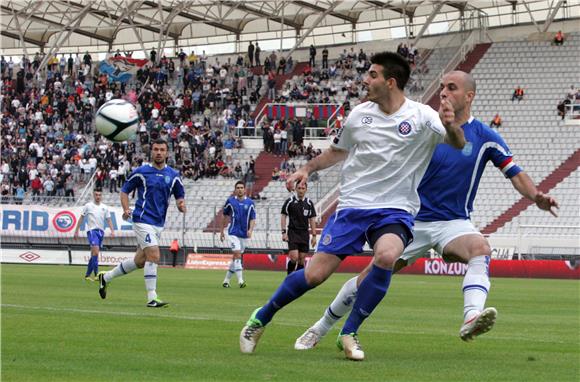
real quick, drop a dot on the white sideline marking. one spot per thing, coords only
(444, 332)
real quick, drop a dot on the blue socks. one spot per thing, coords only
(96, 264)
(370, 293)
(291, 288)
(93, 265)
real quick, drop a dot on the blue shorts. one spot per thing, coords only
(347, 230)
(95, 237)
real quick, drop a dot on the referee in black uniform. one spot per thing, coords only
(301, 213)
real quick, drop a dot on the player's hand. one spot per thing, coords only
(112, 233)
(181, 206)
(284, 237)
(547, 203)
(249, 234)
(446, 113)
(127, 214)
(313, 241)
(222, 236)
(300, 176)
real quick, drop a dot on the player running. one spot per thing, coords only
(95, 213)
(386, 144)
(155, 184)
(447, 192)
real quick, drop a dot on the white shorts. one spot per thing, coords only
(237, 243)
(436, 235)
(147, 235)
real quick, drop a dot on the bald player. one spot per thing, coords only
(447, 191)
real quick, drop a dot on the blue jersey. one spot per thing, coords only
(154, 189)
(448, 188)
(240, 213)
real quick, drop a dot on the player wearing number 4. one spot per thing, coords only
(241, 213)
(155, 184)
(386, 145)
(447, 192)
(96, 213)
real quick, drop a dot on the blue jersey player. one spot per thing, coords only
(447, 192)
(96, 214)
(155, 184)
(240, 211)
(386, 144)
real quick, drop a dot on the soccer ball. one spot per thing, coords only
(117, 120)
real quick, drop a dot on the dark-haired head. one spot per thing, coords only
(394, 66)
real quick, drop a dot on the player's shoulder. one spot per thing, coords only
(171, 171)
(484, 131)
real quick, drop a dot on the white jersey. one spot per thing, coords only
(96, 215)
(388, 155)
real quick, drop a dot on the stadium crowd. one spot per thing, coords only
(50, 147)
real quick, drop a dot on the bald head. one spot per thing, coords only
(462, 79)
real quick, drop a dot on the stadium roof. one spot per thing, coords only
(142, 24)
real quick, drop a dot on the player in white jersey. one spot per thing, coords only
(447, 192)
(95, 213)
(386, 144)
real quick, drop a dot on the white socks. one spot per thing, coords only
(475, 286)
(150, 274)
(341, 305)
(235, 267)
(238, 269)
(123, 268)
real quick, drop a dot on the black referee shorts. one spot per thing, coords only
(298, 240)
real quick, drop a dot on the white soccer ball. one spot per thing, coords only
(117, 120)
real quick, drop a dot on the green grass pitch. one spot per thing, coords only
(56, 328)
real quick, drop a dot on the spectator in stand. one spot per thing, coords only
(281, 66)
(559, 38)
(562, 107)
(257, 54)
(495, 122)
(518, 94)
(312, 51)
(251, 49)
(325, 58)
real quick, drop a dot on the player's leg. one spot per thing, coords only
(93, 265)
(123, 268)
(337, 239)
(152, 257)
(293, 258)
(342, 303)
(239, 268)
(389, 235)
(236, 246)
(472, 248)
(294, 285)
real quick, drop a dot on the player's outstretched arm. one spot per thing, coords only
(455, 136)
(110, 223)
(329, 157)
(525, 186)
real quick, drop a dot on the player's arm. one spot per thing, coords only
(525, 186)
(224, 224)
(179, 194)
(328, 158)
(110, 223)
(78, 227)
(454, 136)
(312, 221)
(125, 205)
(251, 228)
